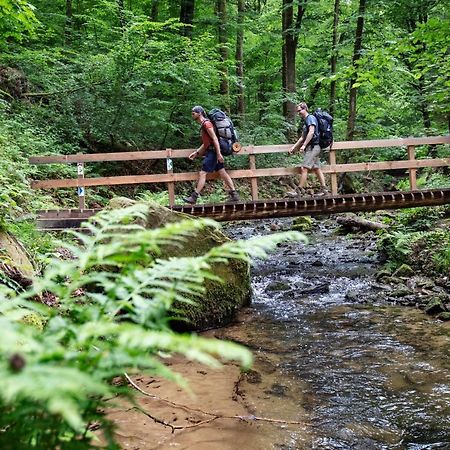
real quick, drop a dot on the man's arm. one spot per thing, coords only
(213, 137)
(199, 152)
(295, 147)
(308, 138)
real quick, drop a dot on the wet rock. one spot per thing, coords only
(400, 291)
(403, 271)
(443, 282)
(435, 306)
(391, 280)
(382, 274)
(444, 316)
(317, 263)
(321, 288)
(353, 296)
(278, 390)
(275, 227)
(221, 300)
(253, 377)
(302, 223)
(276, 286)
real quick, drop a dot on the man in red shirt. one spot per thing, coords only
(213, 158)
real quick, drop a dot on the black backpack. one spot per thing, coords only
(325, 122)
(224, 129)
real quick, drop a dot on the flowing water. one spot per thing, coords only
(360, 375)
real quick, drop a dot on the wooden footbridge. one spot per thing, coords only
(256, 208)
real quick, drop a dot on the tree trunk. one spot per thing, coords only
(352, 221)
(351, 123)
(290, 30)
(221, 10)
(121, 11)
(333, 60)
(240, 100)
(187, 16)
(69, 22)
(154, 11)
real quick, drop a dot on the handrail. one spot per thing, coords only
(252, 172)
(249, 150)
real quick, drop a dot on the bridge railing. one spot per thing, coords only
(252, 172)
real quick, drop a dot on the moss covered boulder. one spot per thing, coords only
(221, 300)
(16, 267)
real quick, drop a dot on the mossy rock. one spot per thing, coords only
(221, 300)
(444, 316)
(435, 306)
(302, 223)
(16, 268)
(404, 271)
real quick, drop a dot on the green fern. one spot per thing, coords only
(114, 299)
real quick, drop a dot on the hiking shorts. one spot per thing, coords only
(210, 163)
(311, 157)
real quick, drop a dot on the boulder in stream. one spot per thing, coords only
(221, 300)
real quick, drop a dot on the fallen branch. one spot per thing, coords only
(352, 221)
(67, 91)
(211, 419)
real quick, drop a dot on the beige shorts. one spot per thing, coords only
(311, 157)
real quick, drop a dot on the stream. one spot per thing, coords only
(359, 374)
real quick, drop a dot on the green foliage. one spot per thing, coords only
(17, 19)
(112, 318)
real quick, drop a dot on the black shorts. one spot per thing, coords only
(210, 163)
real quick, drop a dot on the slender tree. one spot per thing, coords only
(187, 8)
(351, 123)
(290, 29)
(69, 22)
(333, 59)
(154, 12)
(240, 101)
(121, 12)
(221, 11)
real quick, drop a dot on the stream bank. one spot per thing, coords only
(356, 375)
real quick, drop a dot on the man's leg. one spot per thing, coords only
(323, 187)
(226, 179)
(303, 177)
(300, 190)
(320, 177)
(192, 199)
(234, 196)
(201, 181)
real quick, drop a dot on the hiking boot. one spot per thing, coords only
(233, 196)
(322, 191)
(299, 192)
(192, 199)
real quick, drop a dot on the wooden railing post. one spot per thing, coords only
(253, 180)
(170, 184)
(80, 189)
(412, 172)
(333, 175)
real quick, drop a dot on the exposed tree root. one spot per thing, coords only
(212, 418)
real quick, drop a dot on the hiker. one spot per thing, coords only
(309, 145)
(213, 158)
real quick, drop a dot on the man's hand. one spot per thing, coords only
(302, 149)
(193, 155)
(220, 157)
(292, 150)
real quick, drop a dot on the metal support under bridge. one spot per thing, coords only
(51, 220)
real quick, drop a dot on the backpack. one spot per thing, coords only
(325, 122)
(224, 128)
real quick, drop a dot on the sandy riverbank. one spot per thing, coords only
(224, 392)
